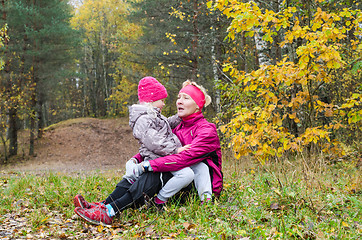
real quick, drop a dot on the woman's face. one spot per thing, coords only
(185, 105)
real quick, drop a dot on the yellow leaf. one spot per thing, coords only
(253, 87)
(286, 145)
(328, 112)
(223, 129)
(253, 142)
(208, 4)
(44, 219)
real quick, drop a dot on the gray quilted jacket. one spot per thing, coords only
(153, 131)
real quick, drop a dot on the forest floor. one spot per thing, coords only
(290, 199)
(77, 145)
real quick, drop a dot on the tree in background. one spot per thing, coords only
(3, 123)
(123, 42)
(286, 104)
(40, 46)
(288, 72)
(3, 40)
(181, 40)
(105, 50)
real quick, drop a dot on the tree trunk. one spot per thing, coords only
(85, 110)
(3, 140)
(277, 53)
(195, 42)
(13, 132)
(45, 114)
(32, 117)
(32, 124)
(32, 134)
(214, 69)
(33, 99)
(243, 54)
(33, 103)
(261, 46)
(104, 75)
(40, 114)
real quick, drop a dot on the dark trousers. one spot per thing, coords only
(134, 195)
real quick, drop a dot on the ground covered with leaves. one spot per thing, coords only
(289, 199)
(257, 203)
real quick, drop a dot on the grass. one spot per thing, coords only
(281, 200)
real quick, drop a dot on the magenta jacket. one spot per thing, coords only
(205, 146)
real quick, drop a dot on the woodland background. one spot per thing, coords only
(285, 79)
(285, 76)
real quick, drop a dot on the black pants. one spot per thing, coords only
(133, 195)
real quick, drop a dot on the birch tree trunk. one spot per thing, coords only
(195, 42)
(261, 46)
(214, 69)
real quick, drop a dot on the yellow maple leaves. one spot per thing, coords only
(279, 100)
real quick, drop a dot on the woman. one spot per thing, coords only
(194, 129)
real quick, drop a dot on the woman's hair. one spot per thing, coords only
(202, 89)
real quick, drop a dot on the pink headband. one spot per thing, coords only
(195, 93)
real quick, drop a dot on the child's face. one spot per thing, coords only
(159, 103)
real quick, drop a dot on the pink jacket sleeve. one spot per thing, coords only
(138, 157)
(205, 142)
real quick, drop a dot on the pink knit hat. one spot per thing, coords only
(151, 90)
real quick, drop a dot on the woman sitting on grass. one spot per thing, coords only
(149, 176)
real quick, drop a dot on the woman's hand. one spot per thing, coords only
(186, 147)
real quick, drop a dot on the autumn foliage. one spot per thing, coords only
(309, 96)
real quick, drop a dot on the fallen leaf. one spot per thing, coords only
(345, 225)
(188, 226)
(173, 235)
(274, 206)
(149, 230)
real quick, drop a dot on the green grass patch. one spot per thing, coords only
(285, 200)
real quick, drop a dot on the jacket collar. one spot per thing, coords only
(191, 121)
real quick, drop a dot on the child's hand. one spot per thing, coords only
(131, 170)
(186, 147)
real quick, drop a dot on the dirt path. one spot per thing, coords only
(78, 145)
